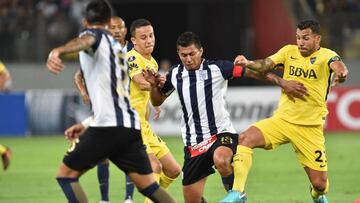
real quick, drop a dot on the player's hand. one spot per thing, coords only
(340, 78)
(54, 63)
(241, 60)
(74, 132)
(161, 80)
(294, 89)
(151, 76)
(157, 113)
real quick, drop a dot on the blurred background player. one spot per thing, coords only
(208, 134)
(5, 79)
(5, 153)
(164, 165)
(113, 134)
(299, 121)
(118, 30)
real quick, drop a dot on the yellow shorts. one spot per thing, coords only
(307, 141)
(154, 144)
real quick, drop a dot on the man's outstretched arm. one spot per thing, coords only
(54, 62)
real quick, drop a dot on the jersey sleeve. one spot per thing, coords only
(229, 70)
(279, 57)
(333, 56)
(134, 64)
(97, 34)
(168, 87)
(2, 67)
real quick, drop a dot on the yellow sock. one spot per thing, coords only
(165, 181)
(2, 149)
(315, 194)
(157, 179)
(241, 163)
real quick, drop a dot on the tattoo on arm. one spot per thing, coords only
(77, 44)
(262, 65)
(273, 78)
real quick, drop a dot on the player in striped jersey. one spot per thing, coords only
(296, 121)
(118, 30)
(114, 132)
(208, 134)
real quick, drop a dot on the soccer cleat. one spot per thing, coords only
(128, 201)
(234, 196)
(6, 156)
(321, 199)
(102, 201)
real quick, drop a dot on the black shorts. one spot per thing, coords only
(201, 166)
(123, 146)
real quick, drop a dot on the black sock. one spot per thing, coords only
(129, 190)
(228, 182)
(65, 184)
(103, 177)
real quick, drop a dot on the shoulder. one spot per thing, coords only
(93, 32)
(219, 63)
(328, 52)
(132, 56)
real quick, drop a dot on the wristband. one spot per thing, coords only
(87, 121)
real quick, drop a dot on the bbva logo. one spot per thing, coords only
(299, 72)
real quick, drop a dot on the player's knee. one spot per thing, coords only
(223, 165)
(172, 172)
(320, 184)
(246, 140)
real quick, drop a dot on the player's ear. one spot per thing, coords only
(133, 40)
(84, 23)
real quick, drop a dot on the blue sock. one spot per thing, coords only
(129, 191)
(65, 184)
(149, 191)
(103, 177)
(228, 182)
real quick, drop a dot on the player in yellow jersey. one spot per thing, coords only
(298, 121)
(164, 165)
(5, 78)
(5, 153)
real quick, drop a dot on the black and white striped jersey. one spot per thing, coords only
(106, 82)
(202, 97)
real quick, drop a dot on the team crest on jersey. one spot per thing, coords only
(312, 60)
(203, 74)
(131, 58)
(133, 66)
(226, 140)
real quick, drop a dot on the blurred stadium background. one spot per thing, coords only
(39, 104)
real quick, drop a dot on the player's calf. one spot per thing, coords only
(157, 194)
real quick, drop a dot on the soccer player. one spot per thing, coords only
(208, 134)
(299, 121)
(164, 165)
(118, 30)
(114, 132)
(4, 78)
(5, 153)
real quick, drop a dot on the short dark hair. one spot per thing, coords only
(188, 38)
(98, 12)
(312, 24)
(138, 23)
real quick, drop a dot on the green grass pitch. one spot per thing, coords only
(276, 176)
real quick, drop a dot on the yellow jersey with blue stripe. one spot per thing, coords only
(2, 67)
(139, 98)
(315, 73)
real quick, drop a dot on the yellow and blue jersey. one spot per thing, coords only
(315, 73)
(139, 99)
